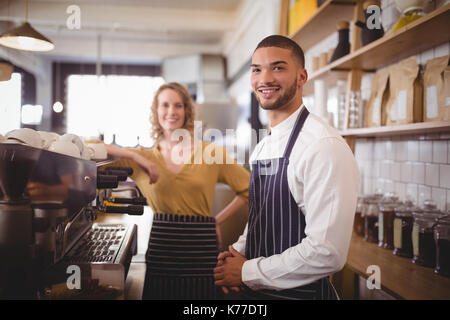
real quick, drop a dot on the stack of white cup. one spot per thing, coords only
(68, 144)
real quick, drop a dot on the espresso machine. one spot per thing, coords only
(48, 206)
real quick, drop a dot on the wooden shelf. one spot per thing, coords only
(418, 36)
(412, 128)
(329, 76)
(323, 23)
(399, 276)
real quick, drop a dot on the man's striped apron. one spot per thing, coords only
(276, 223)
(181, 256)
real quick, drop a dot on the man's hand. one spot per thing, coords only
(220, 260)
(228, 272)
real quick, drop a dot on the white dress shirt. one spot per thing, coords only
(323, 178)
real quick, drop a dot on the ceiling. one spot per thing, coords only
(131, 31)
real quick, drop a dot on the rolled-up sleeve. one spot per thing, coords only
(328, 177)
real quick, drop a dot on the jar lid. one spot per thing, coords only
(430, 206)
(389, 202)
(444, 220)
(429, 211)
(406, 209)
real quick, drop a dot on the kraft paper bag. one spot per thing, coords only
(447, 93)
(405, 103)
(434, 94)
(375, 112)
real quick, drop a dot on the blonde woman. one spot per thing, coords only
(183, 247)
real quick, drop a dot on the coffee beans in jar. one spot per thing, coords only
(358, 224)
(387, 206)
(424, 246)
(442, 238)
(370, 213)
(403, 225)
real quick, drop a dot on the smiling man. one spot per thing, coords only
(302, 195)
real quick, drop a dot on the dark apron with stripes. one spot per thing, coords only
(181, 255)
(276, 223)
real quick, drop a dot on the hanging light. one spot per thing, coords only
(25, 37)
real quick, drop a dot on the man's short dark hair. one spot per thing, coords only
(285, 43)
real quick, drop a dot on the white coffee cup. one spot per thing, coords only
(87, 153)
(65, 147)
(74, 139)
(25, 136)
(97, 151)
(48, 138)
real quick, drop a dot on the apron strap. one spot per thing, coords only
(295, 132)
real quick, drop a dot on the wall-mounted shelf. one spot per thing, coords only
(412, 39)
(332, 11)
(412, 128)
(399, 276)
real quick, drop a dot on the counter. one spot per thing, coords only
(399, 276)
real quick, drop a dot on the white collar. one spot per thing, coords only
(286, 125)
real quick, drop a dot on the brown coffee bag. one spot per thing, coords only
(405, 103)
(434, 95)
(447, 93)
(375, 110)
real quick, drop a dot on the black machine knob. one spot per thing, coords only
(127, 169)
(131, 209)
(105, 181)
(121, 175)
(138, 201)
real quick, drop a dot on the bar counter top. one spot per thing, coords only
(399, 276)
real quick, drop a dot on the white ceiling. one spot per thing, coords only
(141, 31)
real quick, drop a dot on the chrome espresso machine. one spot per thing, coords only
(50, 245)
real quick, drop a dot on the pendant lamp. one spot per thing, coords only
(25, 37)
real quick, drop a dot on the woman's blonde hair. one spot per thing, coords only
(156, 131)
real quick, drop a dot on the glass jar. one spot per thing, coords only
(370, 214)
(403, 225)
(358, 224)
(442, 239)
(386, 214)
(424, 246)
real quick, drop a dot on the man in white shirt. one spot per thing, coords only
(302, 195)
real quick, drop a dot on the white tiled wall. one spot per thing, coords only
(415, 166)
(412, 166)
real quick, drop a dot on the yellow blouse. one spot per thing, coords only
(191, 191)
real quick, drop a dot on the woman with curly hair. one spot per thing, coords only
(179, 187)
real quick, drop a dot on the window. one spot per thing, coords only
(10, 102)
(111, 105)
